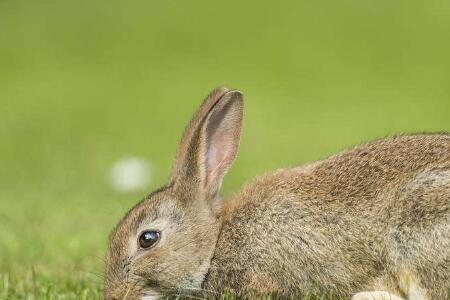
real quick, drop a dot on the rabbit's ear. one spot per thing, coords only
(220, 136)
(210, 143)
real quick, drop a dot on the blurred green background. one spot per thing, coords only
(86, 83)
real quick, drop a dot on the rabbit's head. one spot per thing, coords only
(166, 241)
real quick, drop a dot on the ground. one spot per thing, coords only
(86, 83)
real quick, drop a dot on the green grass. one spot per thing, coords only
(84, 83)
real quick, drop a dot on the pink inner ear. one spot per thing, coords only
(222, 139)
(216, 156)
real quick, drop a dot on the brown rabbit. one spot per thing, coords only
(369, 223)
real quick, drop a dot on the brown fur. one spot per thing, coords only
(376, 217)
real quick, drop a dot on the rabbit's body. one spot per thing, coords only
(376, 217)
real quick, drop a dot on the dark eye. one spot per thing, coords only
(148, 238)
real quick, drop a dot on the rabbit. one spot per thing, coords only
(372, 222)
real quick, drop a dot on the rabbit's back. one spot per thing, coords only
(373, 215)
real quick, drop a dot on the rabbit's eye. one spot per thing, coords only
(149, 238)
